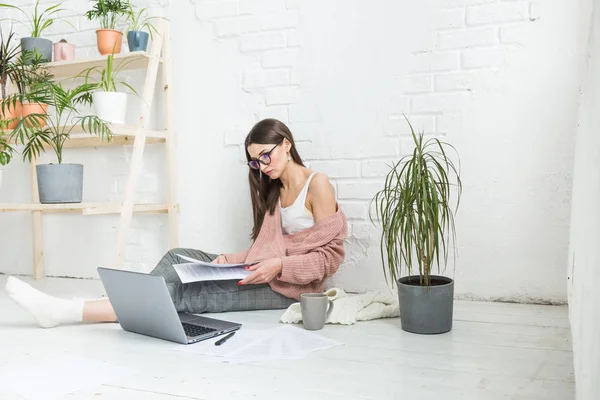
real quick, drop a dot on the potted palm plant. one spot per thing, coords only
(109, 14)
(109, 104)
(58, 183)
(32, 78)
(10, 107)
(416, 218)
(137, 38)
(37, 24)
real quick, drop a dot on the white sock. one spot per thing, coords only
(48, 311)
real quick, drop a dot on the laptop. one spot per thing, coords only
(143, 305)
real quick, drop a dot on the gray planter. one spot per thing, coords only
(44, 46)
(60, 183)
(426, 310)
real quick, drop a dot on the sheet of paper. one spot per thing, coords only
(274, 346)
(209, 264)
(242, 338)
(282, 343)
(194, 273)
(57, 376)
(308, 341)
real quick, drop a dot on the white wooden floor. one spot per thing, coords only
(495, 351)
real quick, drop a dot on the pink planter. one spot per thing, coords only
(64, 51)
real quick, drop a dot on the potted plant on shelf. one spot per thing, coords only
(37, 24)
(32, 79)
(64, 51)
(414, 212)
(139, 20)
(10, 107)
(109, 13)
(58, 183)
(109, 104)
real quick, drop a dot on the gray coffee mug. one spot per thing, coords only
(314, 310)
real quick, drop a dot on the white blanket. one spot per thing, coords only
(349, 308)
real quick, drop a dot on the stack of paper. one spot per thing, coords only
(248, 345)
(196, 271)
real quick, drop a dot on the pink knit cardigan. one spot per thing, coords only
(308, 256)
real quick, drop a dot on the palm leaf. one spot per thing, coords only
(59, 124)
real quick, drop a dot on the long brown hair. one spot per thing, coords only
(264, 191)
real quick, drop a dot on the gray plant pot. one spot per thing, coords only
(60, 183)
(426, 310)
(44, 46)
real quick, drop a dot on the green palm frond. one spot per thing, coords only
(6, 150)
(95, 125)
(414, 209)
(59, 125)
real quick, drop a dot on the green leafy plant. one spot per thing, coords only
(60, 124)
(6, 151)
(108, 12)
(139, 19)
(39, 21)
(109, 74)
(414, 211)
(31, 76)
(9, 51)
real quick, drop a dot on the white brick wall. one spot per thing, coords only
(262, 41)
(207, 10)
(264, 48)
(473, 38)
(498, 13)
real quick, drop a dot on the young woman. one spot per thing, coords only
(298, 241)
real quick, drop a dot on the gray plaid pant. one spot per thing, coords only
(215, 296)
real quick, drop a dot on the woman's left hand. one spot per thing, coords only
(264, 272)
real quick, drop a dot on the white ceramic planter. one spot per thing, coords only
(110, 106)
(1, 171)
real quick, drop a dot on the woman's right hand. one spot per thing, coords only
(220, 260)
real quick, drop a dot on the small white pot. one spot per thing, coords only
(1, 171)
(110, 106)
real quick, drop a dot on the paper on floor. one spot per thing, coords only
(57, 376)
(248, 345)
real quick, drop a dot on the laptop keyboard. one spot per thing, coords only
(195, 330)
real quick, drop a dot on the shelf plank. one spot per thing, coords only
(71, 68)
(117, 129)
(123, 135)
(125, 130)
(81, 141)
(78, 141)
(84, 208)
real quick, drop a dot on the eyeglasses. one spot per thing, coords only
(264, 159)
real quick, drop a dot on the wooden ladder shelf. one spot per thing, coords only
(137, 135)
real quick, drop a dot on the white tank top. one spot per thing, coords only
(297, 217)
